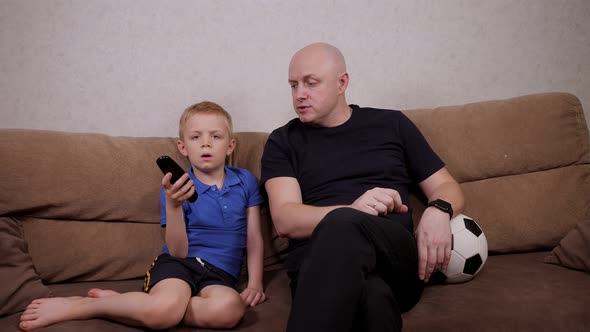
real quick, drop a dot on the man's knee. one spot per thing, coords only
(341, 220)
(341, 235)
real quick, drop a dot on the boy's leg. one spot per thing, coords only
(163, 307)
(215, 306)
(99, 292)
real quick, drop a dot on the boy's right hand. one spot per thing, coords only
(178, 192)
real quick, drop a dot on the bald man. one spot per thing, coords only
(338, 178)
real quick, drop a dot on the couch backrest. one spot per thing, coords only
(523, 164)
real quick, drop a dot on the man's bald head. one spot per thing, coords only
(321, 53)
(318, 80)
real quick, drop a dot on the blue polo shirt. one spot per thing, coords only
(216, 221)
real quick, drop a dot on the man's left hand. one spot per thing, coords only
(433, 236)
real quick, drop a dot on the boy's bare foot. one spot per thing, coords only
(97, 292)
(43, 312)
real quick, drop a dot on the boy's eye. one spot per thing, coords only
(194, 137)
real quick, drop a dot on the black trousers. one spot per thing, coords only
(357, 272)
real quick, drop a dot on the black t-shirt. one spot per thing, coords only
(335, 166)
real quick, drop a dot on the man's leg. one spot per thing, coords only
(331, 279)
(346, 248)
(163, 307)
(378, 310)
(216, 306)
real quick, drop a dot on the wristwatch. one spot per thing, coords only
(444, 206)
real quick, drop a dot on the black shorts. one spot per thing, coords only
(198, 273)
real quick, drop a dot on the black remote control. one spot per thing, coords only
(168, 165)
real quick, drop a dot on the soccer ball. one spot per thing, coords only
(469, 250)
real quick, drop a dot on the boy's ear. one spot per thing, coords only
(232, 146)
(181, 147)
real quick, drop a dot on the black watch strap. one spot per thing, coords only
(443, 206)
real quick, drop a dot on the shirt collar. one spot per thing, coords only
(231, 178)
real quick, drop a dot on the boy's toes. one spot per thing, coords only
(32, 306)
(27, 316)
(26, 326)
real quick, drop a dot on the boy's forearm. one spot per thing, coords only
(176, 238)
(255, 262)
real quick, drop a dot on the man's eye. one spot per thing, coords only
(311, 83)
(194, 137)
(217, 137)
(293, 85)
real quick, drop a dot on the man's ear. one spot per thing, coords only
(343, 82)
(232, 146)
(181, 147)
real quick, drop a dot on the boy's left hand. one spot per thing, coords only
(252, 296)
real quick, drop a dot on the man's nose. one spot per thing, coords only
(300, 93)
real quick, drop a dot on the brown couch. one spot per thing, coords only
(80, 210)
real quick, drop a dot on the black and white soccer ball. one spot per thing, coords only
(469, 250)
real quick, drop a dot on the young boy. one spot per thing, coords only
(193, 281)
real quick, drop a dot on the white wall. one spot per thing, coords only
(131, 67)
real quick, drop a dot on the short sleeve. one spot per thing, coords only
(254, 197)
(422, 161)
(162, 207)
(276, 160)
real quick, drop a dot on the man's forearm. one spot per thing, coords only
(297, 221)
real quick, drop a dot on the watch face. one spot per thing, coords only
(441, 205)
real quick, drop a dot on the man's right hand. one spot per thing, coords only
(380, 201)
(178, 192)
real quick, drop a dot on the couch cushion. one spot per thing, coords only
(20, 283)
(268, 316)
(530, 211)
(81, 176)
(515, 292)
(248, 151)
(574, 249)
(86, 251)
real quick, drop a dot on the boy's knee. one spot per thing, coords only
(227, 312)
(164, 314)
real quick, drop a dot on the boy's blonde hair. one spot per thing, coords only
(204, 107)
